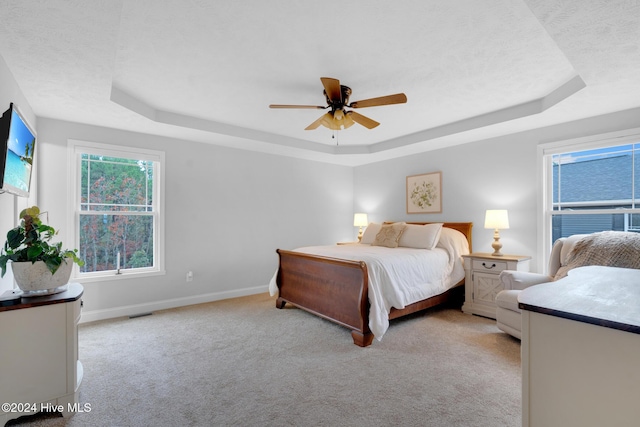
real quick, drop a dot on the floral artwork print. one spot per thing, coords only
(424, 193)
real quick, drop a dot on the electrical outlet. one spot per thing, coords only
(190, 276)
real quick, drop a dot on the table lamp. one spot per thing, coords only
(498, 219)
(360, 220)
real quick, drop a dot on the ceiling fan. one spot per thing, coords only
(338, 99)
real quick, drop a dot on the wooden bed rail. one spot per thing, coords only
(331, 288)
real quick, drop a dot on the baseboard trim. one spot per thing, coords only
(132, 310)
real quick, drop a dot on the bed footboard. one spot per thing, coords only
(331, 288)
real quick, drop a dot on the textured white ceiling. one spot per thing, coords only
(207, 71)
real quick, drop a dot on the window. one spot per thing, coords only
(118, 214)
(591, 186)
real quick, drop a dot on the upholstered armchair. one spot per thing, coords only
(508, 317)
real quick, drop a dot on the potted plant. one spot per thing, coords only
(39, 267)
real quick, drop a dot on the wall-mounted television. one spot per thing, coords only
(17, 145)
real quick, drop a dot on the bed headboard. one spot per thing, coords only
(463, 227)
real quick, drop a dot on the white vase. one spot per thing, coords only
(35, 279)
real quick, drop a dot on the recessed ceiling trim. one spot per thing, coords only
(536, 106)
(134, 104)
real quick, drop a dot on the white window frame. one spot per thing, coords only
(545, 166)
(75, 149)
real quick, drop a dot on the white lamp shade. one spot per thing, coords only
(360, 220)
(497, 219)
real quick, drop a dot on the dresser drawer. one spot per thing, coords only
(489, 265)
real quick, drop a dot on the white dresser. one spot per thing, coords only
(580, 349)
(39, 366)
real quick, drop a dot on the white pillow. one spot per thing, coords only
(421, 236)
(370, 233)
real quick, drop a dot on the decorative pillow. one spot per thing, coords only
(370, 233)
(421, 236)
(389, 235)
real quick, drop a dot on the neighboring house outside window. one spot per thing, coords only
(596, 190)
(591, 186)
(118, 212)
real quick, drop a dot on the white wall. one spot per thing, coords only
(227, 211)
(496, 174)
(499, 173)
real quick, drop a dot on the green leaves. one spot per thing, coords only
(34, 251)
(52, 263)
(29, 241)
(14, 238)
(33, 212)
(73, 254)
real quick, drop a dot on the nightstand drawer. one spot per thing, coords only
(489, 265)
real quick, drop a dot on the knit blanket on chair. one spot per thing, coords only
(607, 248)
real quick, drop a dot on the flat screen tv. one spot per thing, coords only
(17, 144)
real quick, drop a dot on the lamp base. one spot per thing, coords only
(496, 245)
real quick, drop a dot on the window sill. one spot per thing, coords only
(109, 276)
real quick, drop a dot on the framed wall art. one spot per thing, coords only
(424, 193)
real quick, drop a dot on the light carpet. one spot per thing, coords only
(242, 362)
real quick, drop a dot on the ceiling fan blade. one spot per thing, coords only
(314, 107)
(398, 98)
(364, 121)
(332, 88)
(318, 122)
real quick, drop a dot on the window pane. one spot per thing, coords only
(634, 223)
(113, 184)
(567, 225)
(601, 178)
(103, 236)
(119, 222)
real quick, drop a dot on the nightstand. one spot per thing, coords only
(348, 243)
(482, 283)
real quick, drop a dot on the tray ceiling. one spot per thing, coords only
(207, 71)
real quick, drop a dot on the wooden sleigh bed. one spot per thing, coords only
(337, 290)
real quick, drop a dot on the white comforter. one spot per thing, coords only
(397, 276)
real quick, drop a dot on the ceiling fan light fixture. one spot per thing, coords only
(327, 121)
(338, 120)
(348, 121)
(337, 97)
